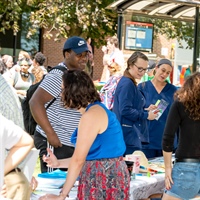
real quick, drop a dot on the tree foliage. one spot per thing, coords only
(176, 30)
(87, 18)
(172, 29)
(10, 14)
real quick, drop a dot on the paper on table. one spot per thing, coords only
(51, 183)
(42, 191)
(37, 196)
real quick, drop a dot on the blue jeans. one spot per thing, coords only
(186, 177)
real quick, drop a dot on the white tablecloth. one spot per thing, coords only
(140, 188)
(143, 187)
(37, 194)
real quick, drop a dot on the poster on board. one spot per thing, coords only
(139, 36)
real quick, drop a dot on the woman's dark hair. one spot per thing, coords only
(40, 58)
(189, 95)
(3, 67)
(78, 89)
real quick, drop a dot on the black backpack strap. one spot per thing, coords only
(51, 102)
(62, 68)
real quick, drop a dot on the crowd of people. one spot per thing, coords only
(88, 132)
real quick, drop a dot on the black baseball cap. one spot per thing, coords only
(77, 44)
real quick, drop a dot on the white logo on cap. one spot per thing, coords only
(81, 42)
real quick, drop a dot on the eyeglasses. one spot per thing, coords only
(141, 69)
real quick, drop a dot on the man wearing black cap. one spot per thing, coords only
(56, 124)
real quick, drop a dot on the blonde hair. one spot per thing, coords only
(25, 54)
(113, 40)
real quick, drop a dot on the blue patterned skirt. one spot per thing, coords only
(104, 179)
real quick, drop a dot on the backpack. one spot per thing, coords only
(107, 92)
(29, 122)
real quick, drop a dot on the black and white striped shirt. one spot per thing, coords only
(63, 121)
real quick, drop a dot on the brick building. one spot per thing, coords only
(53, 51)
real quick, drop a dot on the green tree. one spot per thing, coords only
(10, 14)
(172, 29)
(87, 18)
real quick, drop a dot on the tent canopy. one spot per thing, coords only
(184, 10)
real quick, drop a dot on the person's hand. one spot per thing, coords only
(3, 191)
(151, 107)
(54, 141)
(51, 159)
(168, 177)
(33, 183)
(104, 49)
(21, 92)
(152, 115)
(51, 197)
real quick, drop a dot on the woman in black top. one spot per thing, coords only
(183, 180)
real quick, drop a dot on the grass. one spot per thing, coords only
(37, 168)
(98, 87)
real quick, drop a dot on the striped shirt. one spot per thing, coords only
(10, 107)
(63, 121)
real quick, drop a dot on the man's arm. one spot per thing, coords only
(18, 152)
(37, 106)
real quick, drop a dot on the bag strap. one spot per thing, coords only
(50, 169)
(51, 102)
(63, 69)
(60, 67)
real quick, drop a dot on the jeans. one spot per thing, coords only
(186, 177)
